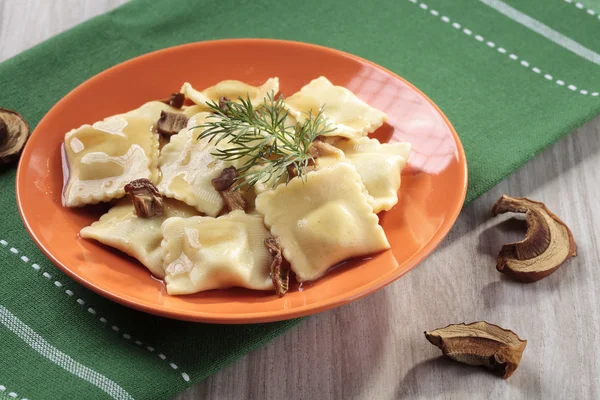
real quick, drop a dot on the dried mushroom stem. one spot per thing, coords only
(480, 344)
(280, 274)
(231, 195)
(14, 132)
(147, 201)
(176, 100)
(171, 123)
(547, 244)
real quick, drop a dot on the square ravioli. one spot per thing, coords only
(203, 253)
(188, 167)
(138, 237)
(99, 160)
(379, 165)
(348, 115)
(322, 221)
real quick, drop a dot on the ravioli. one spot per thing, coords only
(138, 237)
(98, 160)
(188, 166)
(323, 221)
(379, 166)
(203, 253)
(232, 90)
(348, 115)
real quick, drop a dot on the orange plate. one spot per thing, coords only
(433, 184)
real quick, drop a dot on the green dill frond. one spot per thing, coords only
(260, 138)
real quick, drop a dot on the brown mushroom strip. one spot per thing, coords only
(171, 123)
(176, 100)
(547, 244)
(279, 274)
(321, 149)
(14, 132)
(480, 343)
(146, 199)
(227, 178)
(223, 101)
(232, 197)
(293, 171)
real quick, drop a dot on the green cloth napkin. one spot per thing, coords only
(512, 76)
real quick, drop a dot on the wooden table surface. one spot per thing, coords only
(374, 348)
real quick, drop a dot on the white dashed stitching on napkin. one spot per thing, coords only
(591, 12)
(15, 395)
(502, 50)
(90, 310)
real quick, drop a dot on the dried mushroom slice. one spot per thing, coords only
(224, 103)
(226, 179)
(292, 169)
(14, 132)
(480, 344)
(279, 274)
(231, 195)
(147, 201)
(171, 123)
(319, 148)
(176, 100)
(547, 244)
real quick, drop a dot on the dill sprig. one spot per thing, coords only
(260, 138)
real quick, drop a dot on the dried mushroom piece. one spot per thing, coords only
(279, 274)
(292, 169)
(227, 178)
(481, 344)
(171, 123)
(224, 103)
(176, 100)
(231, 195)
(316, 149)
(320, 148)
(547, 244)
(147, 201)
(14, 132)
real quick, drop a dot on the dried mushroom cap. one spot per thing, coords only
(279, 274)
(176, 100)
(231, 195)
(147, 201)
(547, 244)
(171, 123)
(14, 132)
(481, 344)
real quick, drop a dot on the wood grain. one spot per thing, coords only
(374, 348)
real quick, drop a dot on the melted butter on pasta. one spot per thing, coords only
(138, 237)
(98, 160)
(323, 221)
(347, 114)
(379, 166)
(203, 253)
(187, 168)
(231, 89)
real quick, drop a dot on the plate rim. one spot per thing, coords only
(263, 316)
